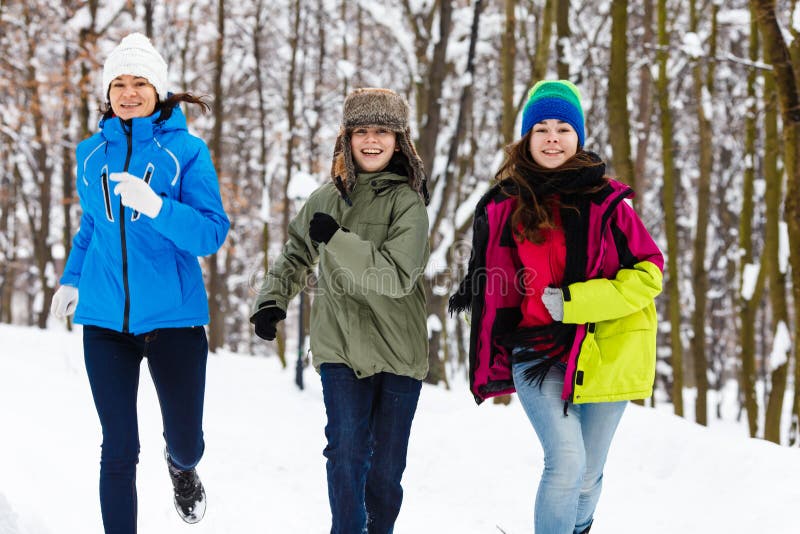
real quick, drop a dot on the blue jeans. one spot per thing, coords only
(369, 423)
(177, 361)
(575, 450)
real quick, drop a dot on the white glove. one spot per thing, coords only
(553, 300)
(64, 302)
(136, 194)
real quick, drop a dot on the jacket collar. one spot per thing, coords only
(378, 181)
(142, 128)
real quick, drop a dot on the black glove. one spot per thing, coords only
(266, 320)
(322, 227)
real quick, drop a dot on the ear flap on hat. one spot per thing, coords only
(343, 171)
(417, 180)
(337, 165)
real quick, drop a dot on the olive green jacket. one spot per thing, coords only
(368, 308)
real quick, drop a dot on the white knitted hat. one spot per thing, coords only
(135, 56)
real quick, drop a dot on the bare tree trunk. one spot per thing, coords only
(87, 43)
(619, 128)
(644, 117)
(184, 50)
(37, 207)
(463, 111)
(563, 33)
(290, 146)
(670, 212)
(776, 52)
(429, 88)
(319, 85)
(539, 56)
(794, 428)
(66, 161)
(149, 8)
(777, 280)
(8, 233)
(748, 315)
(542, 55)
(265, 181)
(217, 293)
(703, 88)
(360, 26)
(749, 305)
(66, 156)
(507, 60)
(437, 303)
(345, 47)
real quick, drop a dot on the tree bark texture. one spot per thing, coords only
(669, 194)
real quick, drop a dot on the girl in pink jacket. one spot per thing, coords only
(561, 286)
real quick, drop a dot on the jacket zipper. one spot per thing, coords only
(123, 244)
(590, 327)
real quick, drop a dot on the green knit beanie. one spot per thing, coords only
(554, 99)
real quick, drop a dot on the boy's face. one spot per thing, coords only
(372, 147)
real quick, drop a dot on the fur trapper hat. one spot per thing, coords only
(375, 107)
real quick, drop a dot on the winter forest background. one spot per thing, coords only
(693, 102)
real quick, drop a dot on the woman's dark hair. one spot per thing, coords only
(166, 106)
(533, 212)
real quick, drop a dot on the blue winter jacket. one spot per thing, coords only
(133, 273)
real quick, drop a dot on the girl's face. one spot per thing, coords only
(132, 96)
(552, 143)
(372, 147)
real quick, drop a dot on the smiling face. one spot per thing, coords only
(372, 147)
(132, 96)
(552, 143)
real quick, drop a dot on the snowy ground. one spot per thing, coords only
(470, 470)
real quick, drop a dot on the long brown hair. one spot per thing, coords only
(533, 212)
(166, 106)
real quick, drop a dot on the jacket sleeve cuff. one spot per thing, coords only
(337, 242)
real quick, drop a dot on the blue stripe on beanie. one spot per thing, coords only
(546, 103)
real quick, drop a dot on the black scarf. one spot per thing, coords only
(576, 189)
(569, 183)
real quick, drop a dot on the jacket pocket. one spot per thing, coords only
(375, 232)
(644, 319)
(616, 367)
(155, 288)
(100, 288)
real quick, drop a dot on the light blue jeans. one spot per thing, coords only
(575, 450)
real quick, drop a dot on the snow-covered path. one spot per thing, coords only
(471, 470)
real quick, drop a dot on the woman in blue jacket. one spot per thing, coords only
(151, 205)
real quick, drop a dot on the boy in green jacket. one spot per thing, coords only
(367, 229)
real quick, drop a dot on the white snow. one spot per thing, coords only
(302, 185)
(466, 209)
(345, 69)
(781, 345)
(264, 210)
(692, 46)
(734, 17)
(783, 246)
(434, 324)
(471, 470)
(749, 279)
(796, 18)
